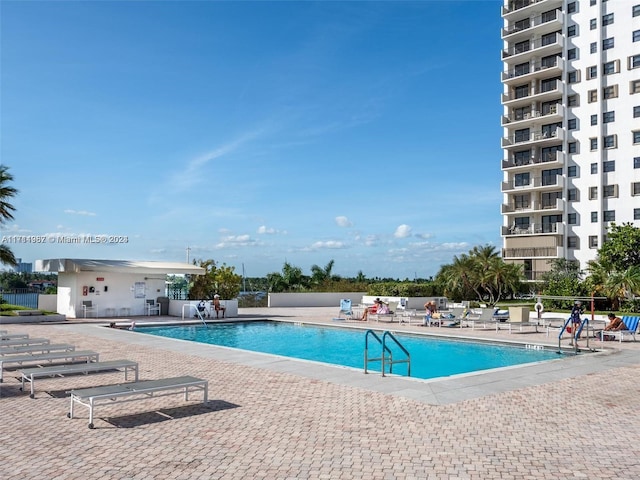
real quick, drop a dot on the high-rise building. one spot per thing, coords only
(571, 144)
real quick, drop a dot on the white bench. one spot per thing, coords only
(129, 392)
(42, 348)
(30, 374)
(45, 358)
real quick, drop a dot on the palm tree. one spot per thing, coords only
(6, 209)
(320, 275)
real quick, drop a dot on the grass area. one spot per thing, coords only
(8, 310)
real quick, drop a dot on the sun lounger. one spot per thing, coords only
(23, 341)
(30, 374)
(632, 327)
(33, 349)
(486, 317)
(47, 358)
(128, 392)
(13, 336)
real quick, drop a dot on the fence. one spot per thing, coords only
(24, 297)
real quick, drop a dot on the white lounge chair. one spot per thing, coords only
(345, 308)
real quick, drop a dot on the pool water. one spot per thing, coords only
(430, 357)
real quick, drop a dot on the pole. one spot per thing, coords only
(188, 250)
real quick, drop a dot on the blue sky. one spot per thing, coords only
(254, 133)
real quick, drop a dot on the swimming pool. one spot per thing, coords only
(430, 357)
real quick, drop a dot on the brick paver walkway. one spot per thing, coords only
(263, 424)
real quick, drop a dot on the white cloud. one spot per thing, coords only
(236, 241)
(342, 221)
(403, 231)
(264, 230)
(371, 240)
(330, 244)
(79, 212)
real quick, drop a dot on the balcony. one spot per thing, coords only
(546, 23)
(520, 74)
(532, 207)
(530, 252)
(538, 137)
(540, 47)
(535, 183)
(552, 160)
(523, 8)
(539, 94)
(555, 113)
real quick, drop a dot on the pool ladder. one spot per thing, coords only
(386, 355)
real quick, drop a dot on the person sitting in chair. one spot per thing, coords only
(201, 308)
(372, 309)
(217, 306)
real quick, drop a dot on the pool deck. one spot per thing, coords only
(277, 418)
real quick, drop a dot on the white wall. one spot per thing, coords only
(110, 291)
(328, 299)
(47, 302)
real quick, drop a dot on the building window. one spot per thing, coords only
(608, 43)
(593, 24)
(634, 62)
(610, 191)
(636, 111)
(571, 31)
(573, 100)
(573, 147)
(609, 68)
(572, 53)
(592, 2)
(636, 213)
(521, 179)
(593, 143)
(572, 242)
(592, 72)
(572, 171)
(636, 10)
(572, 124)
(572, 194)
(521, 91)
(594, 217)
(573, 77)
(593, 48)
(593, 241)
(609, 216)
(610, 141)
(636, 35)
(593, 193)
(636, 137)
(634, 86)
(594, 119)
(572, 7)
(592, 96)
(607, 19)
(594, 168)
(635, 189)
(636, 162)
(572, 218)
(609, 166)
(608, 117)
(610, 91)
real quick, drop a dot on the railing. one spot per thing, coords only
(198, 314)
(534, 45)
(536, 21)
(515, 5)
(529, 252)
(532, 114)
(24, 297)
(535, 136)
(528, 68)
(386, 355)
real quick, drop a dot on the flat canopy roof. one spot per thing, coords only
(71, 265)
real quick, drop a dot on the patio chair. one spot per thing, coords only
(152, 307)
(345, 308)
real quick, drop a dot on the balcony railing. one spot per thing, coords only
(529, 252)
(535, 136)
(535, 182)
(515, 5)
(534, 45)
(518, 117)
(531, 206)
(538, 93)
(535, 22)
(535, 67)
(534, 229)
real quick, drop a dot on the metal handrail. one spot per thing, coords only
(366, 350)
(391, 362)
(197, 311)
(575, 335)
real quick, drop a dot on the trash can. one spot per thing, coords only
(518, 314)
(164, 305)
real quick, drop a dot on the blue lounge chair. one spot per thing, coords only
(632, 327)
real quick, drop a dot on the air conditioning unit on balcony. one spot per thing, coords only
(553, 109)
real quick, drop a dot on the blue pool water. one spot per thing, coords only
(430, 358)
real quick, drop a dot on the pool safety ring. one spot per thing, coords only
(539, 307)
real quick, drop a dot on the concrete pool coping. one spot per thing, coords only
(440, 391)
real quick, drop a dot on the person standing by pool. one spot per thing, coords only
(576, 312)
